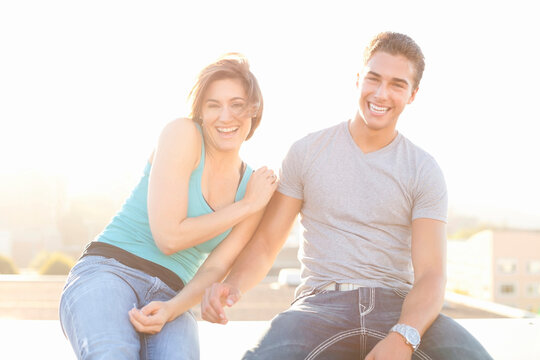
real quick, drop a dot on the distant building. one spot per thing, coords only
(29, 213)
(497, 266)
(5, 243)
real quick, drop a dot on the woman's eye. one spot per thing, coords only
(238, 105)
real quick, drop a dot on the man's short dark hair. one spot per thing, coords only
(397, 44)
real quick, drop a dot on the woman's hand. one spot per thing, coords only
(260, 188)
(151, 318)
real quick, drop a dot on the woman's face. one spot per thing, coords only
(226, 118)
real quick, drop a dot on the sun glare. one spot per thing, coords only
(87, 102)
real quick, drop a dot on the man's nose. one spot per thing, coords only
(381, 91)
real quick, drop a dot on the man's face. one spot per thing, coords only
(386, 86)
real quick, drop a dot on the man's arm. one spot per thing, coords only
(424, 302)
(256, 258)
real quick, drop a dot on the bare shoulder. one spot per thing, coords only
(180, 133)
(181, 126)
(180, 138)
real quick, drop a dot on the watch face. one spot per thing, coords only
(412, 336)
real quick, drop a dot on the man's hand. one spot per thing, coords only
(215, 298)
(392, 347)
(151, 318)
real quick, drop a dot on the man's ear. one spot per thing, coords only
(413, 96)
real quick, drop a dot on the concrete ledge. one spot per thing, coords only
(505, 339)
(494, 308)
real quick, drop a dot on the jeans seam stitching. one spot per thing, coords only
(332, 340)
(422, 355)
(145, 340)
(150, 294)
(400, 293)
(371, 302)
(382, 335)
(362, 339)
(309, 293)
(72, 316)
(348, 333)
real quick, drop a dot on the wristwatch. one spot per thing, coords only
(410, 334)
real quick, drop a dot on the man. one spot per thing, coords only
(374, 208)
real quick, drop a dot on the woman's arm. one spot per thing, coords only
(176, 156)
(152, 317)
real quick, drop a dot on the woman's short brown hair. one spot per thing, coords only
(229, 66)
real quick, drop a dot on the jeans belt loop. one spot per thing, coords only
(347, 287)
(342, 287)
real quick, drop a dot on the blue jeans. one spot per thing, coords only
(348, 324)
(94, 314)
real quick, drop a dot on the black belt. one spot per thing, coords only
(99, 248)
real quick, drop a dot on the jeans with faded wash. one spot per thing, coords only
(348, 324)
(94, 314)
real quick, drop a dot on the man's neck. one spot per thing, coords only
(370, 140)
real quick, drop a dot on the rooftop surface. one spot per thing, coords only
(37, 298)
(29, 327)
(504, 339)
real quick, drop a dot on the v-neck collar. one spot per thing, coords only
(358, 151)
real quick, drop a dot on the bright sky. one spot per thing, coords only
(85, 87)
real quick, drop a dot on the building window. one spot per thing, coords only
(507, 289)
(507, 266)
(533, 267)
(533, 290)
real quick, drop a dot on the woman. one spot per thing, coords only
(192, 212)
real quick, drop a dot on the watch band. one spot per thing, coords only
(409, 334)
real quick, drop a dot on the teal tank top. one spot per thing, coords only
(130, 229)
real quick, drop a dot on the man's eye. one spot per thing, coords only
(238, 105)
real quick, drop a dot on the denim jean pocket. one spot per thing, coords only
(304, 296)
(87, 262)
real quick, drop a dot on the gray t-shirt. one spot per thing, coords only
(358, 208)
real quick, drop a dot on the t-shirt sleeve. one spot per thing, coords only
(431, 198)
(290, 175)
